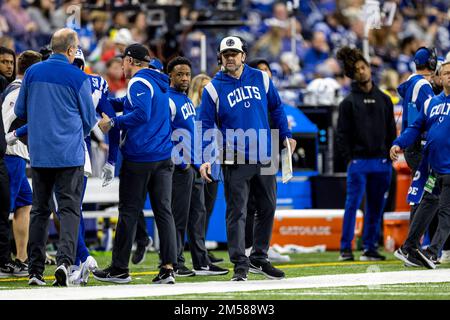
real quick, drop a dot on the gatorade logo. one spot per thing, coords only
(305, 230)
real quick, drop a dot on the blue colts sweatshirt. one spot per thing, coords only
(433, 118)
(145, 122)
(244, 103)
(183, 122)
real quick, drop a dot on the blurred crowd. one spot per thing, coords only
(299, 43)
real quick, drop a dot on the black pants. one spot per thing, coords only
(443, 229)
(136, 179)
(432, 230)
(422, 215)
(5, 252)
(210, 190)
(250, 221)
(238, 181)
(141, 231)
(67, 184)
(189, 214)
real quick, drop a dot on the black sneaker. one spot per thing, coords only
(61, 276)
(165, 276)
(211, 270)
(139, 254)
(346, 255)
(183, 271)
(112, 274)
(427, 258)
(371, 255)
(22, 268)
(36, 279)
(213, 258)
(239, 275)
(13, 269)
(266, 269)
(409, 257)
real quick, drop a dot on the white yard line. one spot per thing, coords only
(143, 290)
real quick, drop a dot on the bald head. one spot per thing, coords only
(65, 41)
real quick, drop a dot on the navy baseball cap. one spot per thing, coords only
(422, 56)
(137, 51)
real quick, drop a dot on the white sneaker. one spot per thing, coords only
(75, 276)
(276, 257)
(88, 266)
(91, 263)
(445, 257)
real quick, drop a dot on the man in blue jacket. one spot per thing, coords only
(239, 100)
(188, 199)
(60, 114)
(433, 119)
(414, 92)
(147, 166)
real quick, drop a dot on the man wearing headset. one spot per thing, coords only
(240, 99)
(433, 119)
(415, 92)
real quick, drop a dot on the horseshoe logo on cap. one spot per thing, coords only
(230, 42)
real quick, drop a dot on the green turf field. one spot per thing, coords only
(300, 265)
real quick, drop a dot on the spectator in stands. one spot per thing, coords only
(115, 78)
(7, 67)
(21, 26)
(315, 55)
(139, 27)
(366, 129)
(40, 12)
(119, 21)
(405, 61)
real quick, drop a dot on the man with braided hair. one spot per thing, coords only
(366, 130)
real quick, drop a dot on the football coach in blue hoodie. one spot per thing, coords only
(240, 99)
(146, 147)
(55, 99)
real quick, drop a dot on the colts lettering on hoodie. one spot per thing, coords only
(187, 110)
(242, 94)
(440, 109)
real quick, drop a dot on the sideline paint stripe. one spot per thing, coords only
(371, 279)
(286, 266)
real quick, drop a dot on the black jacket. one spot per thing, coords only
(2, 136)
(366, 125)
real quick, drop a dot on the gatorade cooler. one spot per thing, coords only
(312, 227)
(395, 229)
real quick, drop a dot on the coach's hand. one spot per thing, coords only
(395, 150)
(105, 123)
(205, 171)
(293, 144)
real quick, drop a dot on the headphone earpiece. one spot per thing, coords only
(432, 60)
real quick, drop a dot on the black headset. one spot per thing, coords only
(244, 48)
(432, 59)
